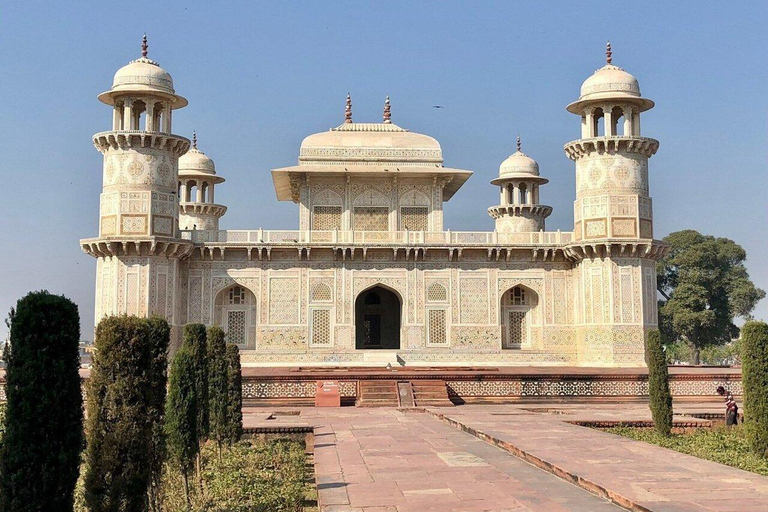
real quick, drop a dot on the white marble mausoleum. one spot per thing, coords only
(371, 274)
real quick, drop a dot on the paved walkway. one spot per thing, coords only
(383, 460)
(647, 476)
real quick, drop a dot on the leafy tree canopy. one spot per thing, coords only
(705, 286)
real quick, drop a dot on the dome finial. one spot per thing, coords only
(519, 144)
(608, 53)
(144, 45)
(387, 111)
(348, 110)
(194, 139)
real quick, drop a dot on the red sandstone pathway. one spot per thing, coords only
(655, 478)
(383, 460)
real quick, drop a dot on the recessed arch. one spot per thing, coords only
(235, 311)
(517, 307)
(378, 313)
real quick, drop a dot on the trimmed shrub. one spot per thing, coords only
(234, 395)
(217, 386)
(124, 391)
(194, 338)
(658, 384)
(754, 361)
(43, 437)
(160, 336)
(181, 414)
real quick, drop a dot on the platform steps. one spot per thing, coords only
(431, 393)
(415, 393)
(378, 393)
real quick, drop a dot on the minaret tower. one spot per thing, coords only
(138, 247)
(613, 244)
(519, 209)
(197, 181)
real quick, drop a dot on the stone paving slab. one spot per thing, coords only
(638, 475)
(384, 460)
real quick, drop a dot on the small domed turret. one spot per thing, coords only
(197, 180)
(519, 209)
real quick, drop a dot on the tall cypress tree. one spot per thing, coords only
(181, 414)
(41, 447)
(234, 395)
(160, 335)
(658, 384)
(217, 386)
(754, 368)
(195, 339)
(122, 424)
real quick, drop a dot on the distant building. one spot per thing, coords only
(372, 274)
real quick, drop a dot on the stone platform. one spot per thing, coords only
(281, 386)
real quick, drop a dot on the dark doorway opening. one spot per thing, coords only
(377, 319)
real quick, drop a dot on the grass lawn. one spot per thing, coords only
(254, 475)
(721, 444)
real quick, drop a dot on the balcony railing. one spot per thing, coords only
(373, 238)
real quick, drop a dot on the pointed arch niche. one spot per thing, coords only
(235, 312)
(519, 312)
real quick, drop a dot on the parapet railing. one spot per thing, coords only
(287, 237)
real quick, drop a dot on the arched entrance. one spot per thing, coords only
(377, 319)
(517, 308)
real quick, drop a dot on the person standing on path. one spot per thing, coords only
(731, 409)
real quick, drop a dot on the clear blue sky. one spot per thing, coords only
(261, 76)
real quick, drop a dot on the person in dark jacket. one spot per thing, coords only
(731, 409)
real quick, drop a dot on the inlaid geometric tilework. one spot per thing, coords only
(473, 300)
(283, 300)
(437, 293)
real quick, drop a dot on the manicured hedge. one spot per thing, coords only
(43, 436)
(658, 384)
(754, 360)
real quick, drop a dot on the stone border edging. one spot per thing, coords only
(559, 472)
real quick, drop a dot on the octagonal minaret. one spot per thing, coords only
(613, 247)
(197, 182)
(138, 247)
(612, 198)
(519, 209)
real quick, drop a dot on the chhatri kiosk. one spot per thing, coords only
(372, 277)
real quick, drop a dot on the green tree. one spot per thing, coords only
(124, 389)
(754, 361)
(234, 394)
(658, 384)
(181, 414)
(217, 386)
(43, 437)
(705, 286)
(160, 336)
(194, 338)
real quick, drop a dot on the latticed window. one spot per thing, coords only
(321, 327)
(517, 332)
(237, 295)
(414, 218)
(371, 218)
(236, 327)
(321, 292)
(437, 329)
(518, 296)
(437, 293)
(326, 218)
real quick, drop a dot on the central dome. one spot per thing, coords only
(607, 81)
(374, 142)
